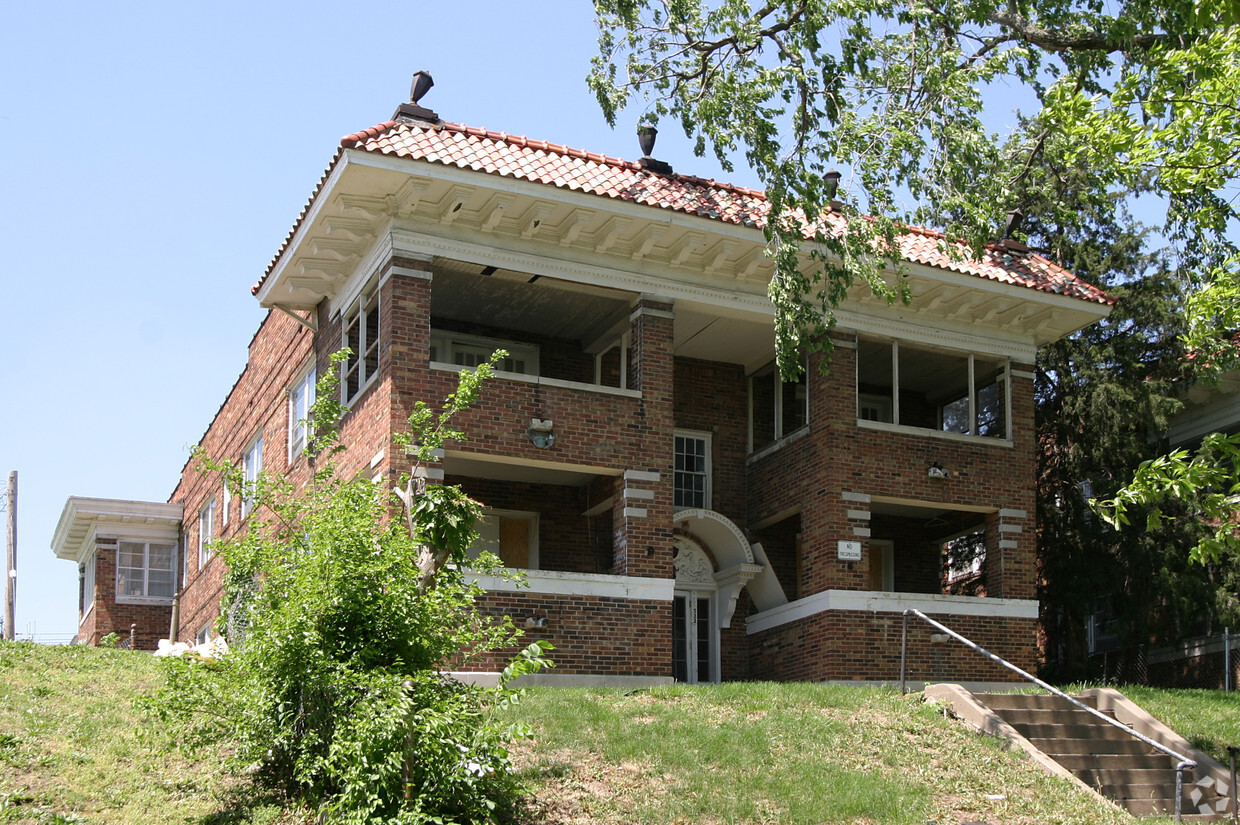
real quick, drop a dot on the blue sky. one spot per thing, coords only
(155, 156)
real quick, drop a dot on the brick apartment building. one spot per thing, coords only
(680, 512)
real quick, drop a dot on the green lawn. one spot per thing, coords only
(74, 749)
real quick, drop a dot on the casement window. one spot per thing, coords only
(512, 535)
(691, 485)
(300, 399)
(472, 350)
(251, 466)
(913, 385)
(777, 408)
(145, 571)
(361, 336)
(206, 532)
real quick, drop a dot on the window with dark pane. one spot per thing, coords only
(692, 471)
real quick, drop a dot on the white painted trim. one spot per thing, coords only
(1024, 374)
(546, 382)
(558, 583)
(928, 433)
(873, 602)
(641, 475)
(581, 680)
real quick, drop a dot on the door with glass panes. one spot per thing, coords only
(692, 642)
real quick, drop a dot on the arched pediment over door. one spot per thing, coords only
(736, 563)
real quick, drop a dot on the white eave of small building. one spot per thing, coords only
(85, 517)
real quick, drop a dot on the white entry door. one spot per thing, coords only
(693, 647)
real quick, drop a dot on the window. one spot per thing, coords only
(776, 408)
(86, 599)
(145, 571)
(691, 479)
(964, 556)
(936, 389)
(512, 535)
(206, 532)
(472, 350)
(251, 466)
(203, 635)
(225, 501)
(300, 399)
(361, 336)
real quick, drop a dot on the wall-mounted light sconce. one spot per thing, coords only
(541, 433)
(937, 470)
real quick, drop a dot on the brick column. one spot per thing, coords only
(642, 514)
(1010, 555)
(404, 354)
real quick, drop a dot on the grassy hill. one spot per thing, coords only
(73, 749)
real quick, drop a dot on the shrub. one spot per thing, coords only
(343, 619)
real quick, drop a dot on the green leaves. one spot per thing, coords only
(335, 694)
(893, 92)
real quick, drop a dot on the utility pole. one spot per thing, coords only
(10, 567)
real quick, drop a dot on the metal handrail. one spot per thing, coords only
(1182, 760)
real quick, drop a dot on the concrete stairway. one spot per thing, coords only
(1122, 768)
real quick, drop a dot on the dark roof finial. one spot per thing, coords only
(414, 112)
(646, 135)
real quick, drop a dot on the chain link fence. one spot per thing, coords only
(1209, 662)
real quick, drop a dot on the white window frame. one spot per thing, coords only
(446, 346)
(145, 597)
(204, 634)
(488, 536)
(224, 501)
(367, 348)
(300, 399)
(88, 583)
(891, 406)
(206, 533)
(251, 466)
(708, 472)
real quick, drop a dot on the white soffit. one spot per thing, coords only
(119, 517)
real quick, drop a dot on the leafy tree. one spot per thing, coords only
(1104, 397)
(342, 620)
(1139, 92)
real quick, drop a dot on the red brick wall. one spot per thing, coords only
(859, 645)
(811, 473)
(591, 634)
(107, 616)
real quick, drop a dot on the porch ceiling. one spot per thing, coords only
(590, 315)
(509, 468)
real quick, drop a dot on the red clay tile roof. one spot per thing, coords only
(499, 153)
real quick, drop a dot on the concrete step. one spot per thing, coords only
(1094, 732)
(1076, 762)
(999, 702)
(1061, 747)
(1096, 777)
(1049, 716)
